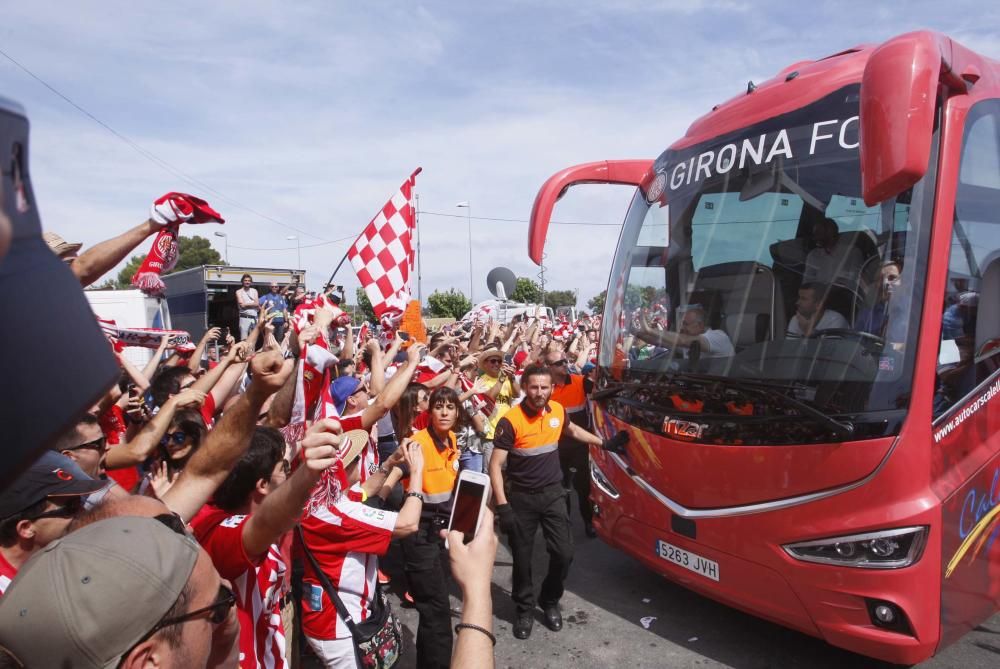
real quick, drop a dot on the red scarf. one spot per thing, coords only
(170, 211)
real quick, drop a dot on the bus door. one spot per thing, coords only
(965, 432)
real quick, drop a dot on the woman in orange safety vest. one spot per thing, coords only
(422, 551)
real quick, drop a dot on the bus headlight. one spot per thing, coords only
(601, 481)
(885, 549)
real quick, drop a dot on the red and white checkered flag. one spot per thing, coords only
(382, 256)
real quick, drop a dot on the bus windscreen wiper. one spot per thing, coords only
(771, 391)
(612, 389)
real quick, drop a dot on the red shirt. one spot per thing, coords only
(7, 573)
(113, 425)
(422, 420)
(346, 540)
(258, 585)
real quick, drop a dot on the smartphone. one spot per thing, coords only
(225, 333)
(508, 359)
(405, 336)
(471, 495)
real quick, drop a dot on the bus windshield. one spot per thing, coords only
(752, 259)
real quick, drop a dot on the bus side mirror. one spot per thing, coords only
(624, 172)
(898, 100)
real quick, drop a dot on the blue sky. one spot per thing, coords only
(313, 113)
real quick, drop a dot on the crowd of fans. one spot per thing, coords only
(169, 526)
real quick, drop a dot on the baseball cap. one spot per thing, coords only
(50, 304)
(87, 598)
(52, 475)
(59, 245)
(342, 388)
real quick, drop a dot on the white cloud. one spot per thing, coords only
(314, 112)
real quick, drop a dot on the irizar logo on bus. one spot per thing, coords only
(684, 429)
(751, 151)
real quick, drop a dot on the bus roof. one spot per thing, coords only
(806, 81)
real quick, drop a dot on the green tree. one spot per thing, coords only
(560, 298)
(526, 291)
(451, 304)
(192, 252)
(596, 303)
(125, 276)
(365, 305)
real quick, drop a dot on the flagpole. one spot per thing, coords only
(329, 281)
(416, 224)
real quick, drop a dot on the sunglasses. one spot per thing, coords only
(494, 361)
(177, 438)
(68, 510)
(98, 444)
(217, 611)
(558, 363)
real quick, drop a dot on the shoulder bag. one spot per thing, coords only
(378, 640)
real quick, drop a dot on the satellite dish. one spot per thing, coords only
(501, 282)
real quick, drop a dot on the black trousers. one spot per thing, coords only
(575, 455)
(545, 508)
(429, 589)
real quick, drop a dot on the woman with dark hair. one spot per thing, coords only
(184, 436)
(409, 413)
(422, 551)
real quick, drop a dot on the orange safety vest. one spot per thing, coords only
(539, 434)
(440, 467)
(572, 395)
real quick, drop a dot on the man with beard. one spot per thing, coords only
(527, 441)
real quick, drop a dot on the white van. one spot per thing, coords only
(131, 309)
(504, 311)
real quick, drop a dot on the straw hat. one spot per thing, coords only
(487, 354)
(59, 245)
(351, 445)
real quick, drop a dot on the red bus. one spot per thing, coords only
(802, 337)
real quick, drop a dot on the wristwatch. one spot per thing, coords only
(384, 471)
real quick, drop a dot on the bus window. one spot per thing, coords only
(969, 352)
(725, 229)
(852, 215)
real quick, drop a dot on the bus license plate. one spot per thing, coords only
(682, 558)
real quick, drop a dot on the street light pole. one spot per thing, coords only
(298, 250)
(225, 241)
(468, 220)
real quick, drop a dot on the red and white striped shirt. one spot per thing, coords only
(258, 585)
(346, 540)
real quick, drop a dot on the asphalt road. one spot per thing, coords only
(608, 595)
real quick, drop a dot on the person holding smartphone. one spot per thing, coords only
(422, 550)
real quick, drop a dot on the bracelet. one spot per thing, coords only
(469, 626)
(415, 494)
(384, 471)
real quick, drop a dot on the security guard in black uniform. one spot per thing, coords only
(526, 440)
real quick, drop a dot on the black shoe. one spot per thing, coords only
(522, 628)
(552, 617)
(589, 529)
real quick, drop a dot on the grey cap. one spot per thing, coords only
(87, 598)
